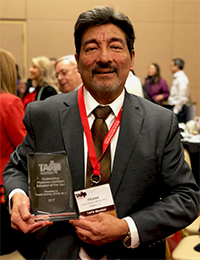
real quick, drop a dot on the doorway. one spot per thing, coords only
(13, 39)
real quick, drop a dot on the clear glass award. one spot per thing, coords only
(50, 187)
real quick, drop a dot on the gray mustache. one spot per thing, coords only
(104, 66)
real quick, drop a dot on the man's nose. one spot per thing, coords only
(104, 56)
(60, 76)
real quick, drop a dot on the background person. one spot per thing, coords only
(133, 84)
(67, 74)
(21, 85)
(11, 135)
(153, 188)
(21, 88)
(179, 92)
(43, 81)
(155, 87)
(18, 75)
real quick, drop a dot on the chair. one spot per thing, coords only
(185, 249)
(194, 228)
(171, 243)
(12, 256)
(187, 157)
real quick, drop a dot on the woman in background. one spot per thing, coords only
(43, 80)
(155, 88)
(11, 135)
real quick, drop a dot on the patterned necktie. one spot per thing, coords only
(99, 131)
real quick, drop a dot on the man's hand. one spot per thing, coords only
(21, 218)
(100, 228)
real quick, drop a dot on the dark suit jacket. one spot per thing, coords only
(150, 180)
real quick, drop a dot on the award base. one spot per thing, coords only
(55, 217)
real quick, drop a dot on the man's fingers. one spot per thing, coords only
(25, 213)
(82, 224)
(13, 225)
(43, 224)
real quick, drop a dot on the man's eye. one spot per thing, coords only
(116, 47)
(91, 49)
(63, 73)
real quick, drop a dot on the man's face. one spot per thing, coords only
(67, 76)
(174, 68)
(104, 62)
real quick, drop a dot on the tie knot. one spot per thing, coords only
(101, 112)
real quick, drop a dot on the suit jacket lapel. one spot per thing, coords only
(130, 128)
(72, 131)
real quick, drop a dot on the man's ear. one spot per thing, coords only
(132, 60)
(76, 57)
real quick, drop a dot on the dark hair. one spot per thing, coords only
(156, 77)
(53, 59)
(17, 70)
(103, 15)
(179, 62)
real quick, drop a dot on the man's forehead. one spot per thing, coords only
(104, 32)
(65, 64)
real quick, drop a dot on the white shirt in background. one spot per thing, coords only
(133, 85)
(179, 93)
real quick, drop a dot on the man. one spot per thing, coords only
(179, 93)
(67, 75)
(152, 186)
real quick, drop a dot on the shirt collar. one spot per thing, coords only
(178, 73)
(91, 103)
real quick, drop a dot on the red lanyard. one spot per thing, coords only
(91, 150)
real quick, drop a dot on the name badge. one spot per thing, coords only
(95, 200)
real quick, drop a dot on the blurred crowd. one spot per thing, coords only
(51, 76)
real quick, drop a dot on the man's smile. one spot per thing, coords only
(104, 72)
